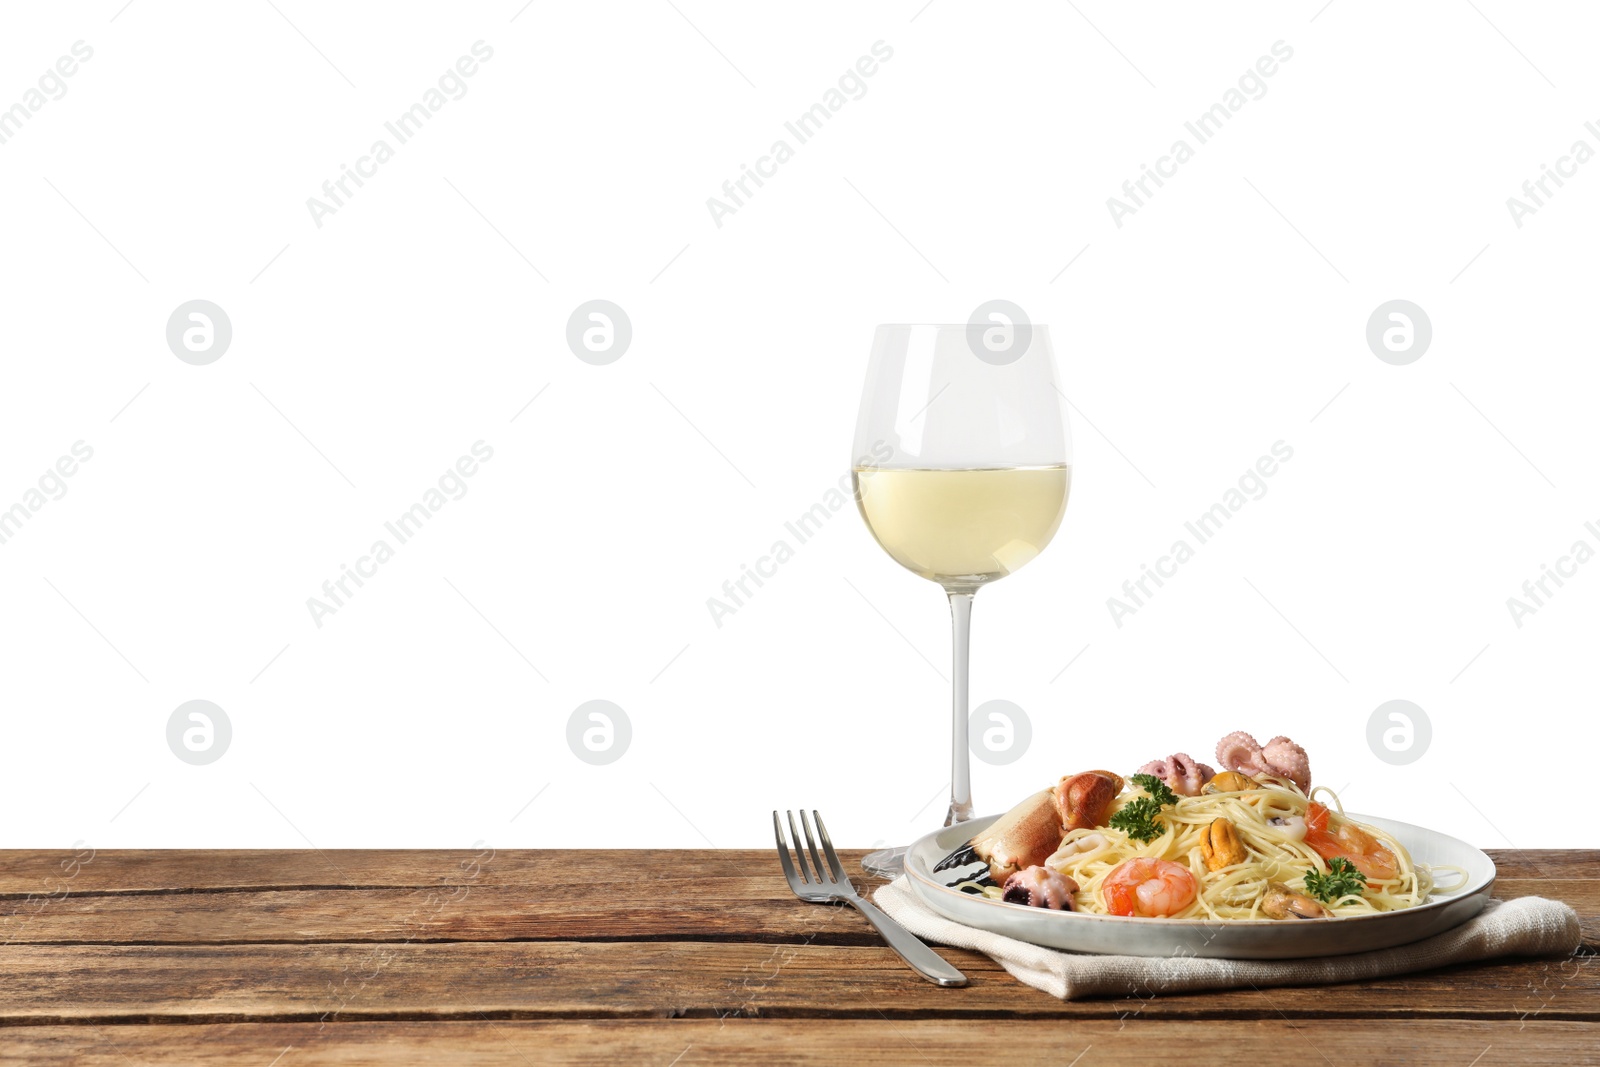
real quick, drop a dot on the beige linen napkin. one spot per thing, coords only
(1527, 926)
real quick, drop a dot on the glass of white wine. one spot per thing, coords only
(963, 464)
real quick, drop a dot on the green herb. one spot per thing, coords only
(1155, 787)
(1342, 880)
(1138, 817)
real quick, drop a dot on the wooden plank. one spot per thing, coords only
(105, 984)
(57, 872)
(148, 870)
(493, 913)
(714, 910)
(810, 1043)
(1547, 863)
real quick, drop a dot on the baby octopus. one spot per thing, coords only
(1280, 758)
(1040, 887)
(1183, 774)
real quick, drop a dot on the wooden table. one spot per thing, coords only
(279, 959)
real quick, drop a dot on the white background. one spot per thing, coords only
(1227, 314)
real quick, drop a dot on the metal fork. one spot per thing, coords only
(815, 886)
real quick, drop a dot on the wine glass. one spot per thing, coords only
(963, 460)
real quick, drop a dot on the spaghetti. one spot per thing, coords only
(1271, 822)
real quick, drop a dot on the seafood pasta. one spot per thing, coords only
(1180, 840)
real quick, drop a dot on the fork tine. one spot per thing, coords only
(795, 881)
(827, 849)
(811, 841)
(800, 852)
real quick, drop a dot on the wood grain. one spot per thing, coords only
(809, 1043)
(45, 872)
(383, 956)
(501, 913)
(572, 979)
(511, 896)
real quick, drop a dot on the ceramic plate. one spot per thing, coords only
(1244, 939)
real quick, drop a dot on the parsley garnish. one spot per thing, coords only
(1342, 880)
(1155, 787)
(1138, 817)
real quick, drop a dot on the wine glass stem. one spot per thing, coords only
(960, 766)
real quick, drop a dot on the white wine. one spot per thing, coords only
(962, 528)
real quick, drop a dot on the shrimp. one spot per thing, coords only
(1349, 842)
(1148, 887)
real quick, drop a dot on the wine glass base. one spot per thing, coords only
(885, 862)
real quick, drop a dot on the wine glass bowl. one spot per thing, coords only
(964, 464)
(963, 528)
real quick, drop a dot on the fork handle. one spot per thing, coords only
(922, 959)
